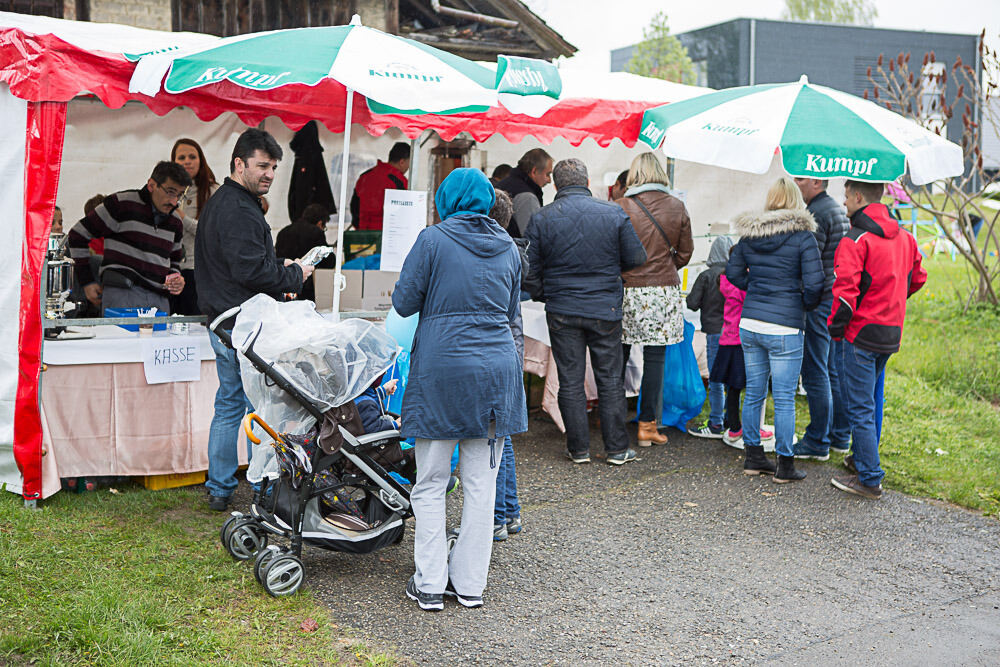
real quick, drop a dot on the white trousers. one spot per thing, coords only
(469, 565)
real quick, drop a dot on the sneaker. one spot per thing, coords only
(622, 458)
(767, 432)
(841, 449)
(453, 484)
(805, 452)
(851, 484)
(219, 503)
(583, 457)
(849, 464)
(708, 430)
(499, 532)
(514, 526)
(733, 438)
(427, 601)
(469, 601)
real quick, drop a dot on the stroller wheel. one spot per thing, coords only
(263, 561)
(283, 575)
(227, 527)
(246, 538)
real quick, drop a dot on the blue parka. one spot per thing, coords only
(777, 263)
(464, 278)
(578, 248)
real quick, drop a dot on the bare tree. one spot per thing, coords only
(922, 93)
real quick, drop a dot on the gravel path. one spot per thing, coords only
(680, 558)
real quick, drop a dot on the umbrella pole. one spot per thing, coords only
(344, 163)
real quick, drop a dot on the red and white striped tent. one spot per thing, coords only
(45, 63)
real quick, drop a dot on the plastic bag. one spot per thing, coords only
(683, 391)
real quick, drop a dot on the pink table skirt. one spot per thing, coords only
(103, 419)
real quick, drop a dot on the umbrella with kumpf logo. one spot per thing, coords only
(820, 133)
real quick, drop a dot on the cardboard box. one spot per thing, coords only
(378, 287)
(350, 298)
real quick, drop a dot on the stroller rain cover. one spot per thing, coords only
(329, 362)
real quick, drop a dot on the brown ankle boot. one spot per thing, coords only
(649, 436)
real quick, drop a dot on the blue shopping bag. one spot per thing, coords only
(683, 390)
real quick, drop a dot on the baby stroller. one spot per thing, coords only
(327, 487)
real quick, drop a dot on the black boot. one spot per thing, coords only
(787, 472)
(756, 463)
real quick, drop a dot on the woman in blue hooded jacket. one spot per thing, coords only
(777, 263)
(463, 276)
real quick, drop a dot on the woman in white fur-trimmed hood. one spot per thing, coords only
(777, 263)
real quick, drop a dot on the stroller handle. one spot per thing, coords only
(216, 326)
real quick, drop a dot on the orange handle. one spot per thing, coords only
(248, 423)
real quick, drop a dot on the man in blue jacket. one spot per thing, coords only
(235, 260)
(578, 247)
(828, 427)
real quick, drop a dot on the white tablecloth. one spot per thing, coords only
(112, 345)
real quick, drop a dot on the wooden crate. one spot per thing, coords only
(174, 480)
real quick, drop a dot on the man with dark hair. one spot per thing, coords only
(368, 199)
(235, 260)
(578, 247)
(142, 244)
(300, 237)
(500, 172)
(877, 268)
(524, 184)
(828, 427)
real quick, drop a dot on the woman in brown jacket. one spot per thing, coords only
(652, 312)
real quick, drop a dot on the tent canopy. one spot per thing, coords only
(51, 60)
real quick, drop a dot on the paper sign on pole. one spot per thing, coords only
(171, 359)
(404, 215)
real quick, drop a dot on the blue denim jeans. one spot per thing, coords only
(840, 426)
(231, 405)
(779, 357)
(859, 374)
(571, 336)
(827, 421)
(506, 506)
(716, 390)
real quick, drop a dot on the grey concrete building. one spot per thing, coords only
(751, 51)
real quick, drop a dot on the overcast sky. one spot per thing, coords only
(597, 26)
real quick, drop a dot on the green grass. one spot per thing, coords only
(140, 577)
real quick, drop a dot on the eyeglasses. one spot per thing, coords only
(171, 193)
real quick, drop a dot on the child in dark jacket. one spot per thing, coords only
(706, 296)
(371, 407)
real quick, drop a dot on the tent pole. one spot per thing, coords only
(344, 163)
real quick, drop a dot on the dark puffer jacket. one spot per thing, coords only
(777, 263)
(578, 247)
(831, 226)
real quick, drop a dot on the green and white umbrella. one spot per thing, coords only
(394, 74)
(820, 132)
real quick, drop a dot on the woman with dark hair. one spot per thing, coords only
(188, 154)
(464, 278)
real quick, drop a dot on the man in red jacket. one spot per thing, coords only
(877, 267)
(369, 191)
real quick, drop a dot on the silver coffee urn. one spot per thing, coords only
(58, 282)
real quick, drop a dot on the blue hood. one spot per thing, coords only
(464, 191)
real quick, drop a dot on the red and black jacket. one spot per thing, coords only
(877, 267)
